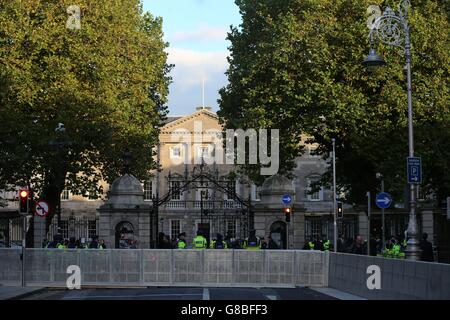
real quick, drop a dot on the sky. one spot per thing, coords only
(196, 31)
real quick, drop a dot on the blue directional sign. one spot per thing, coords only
(287, 199)
(414, 170)
(383, 200)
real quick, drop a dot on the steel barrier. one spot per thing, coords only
(242, 268)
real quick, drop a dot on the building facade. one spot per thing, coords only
(193, 192)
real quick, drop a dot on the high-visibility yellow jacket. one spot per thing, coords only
(181, 244)
(200, 242)
(252, 245)
(213, 245)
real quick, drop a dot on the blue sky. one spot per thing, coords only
(196, 31)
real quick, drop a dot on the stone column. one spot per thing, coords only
(428, 224)
(144, 230)
(105, 230)
(362, 224)
(39, 231)
(298, 221)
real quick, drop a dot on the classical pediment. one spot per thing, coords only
(202, 118)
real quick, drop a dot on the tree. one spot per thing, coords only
(295, 65)
(107, 82)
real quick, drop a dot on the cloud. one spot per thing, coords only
(191, 67)
(201, 34)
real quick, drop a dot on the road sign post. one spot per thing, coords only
(368, 222)
(41, 209)
(414, 170)
(286, 199)
(383, 201)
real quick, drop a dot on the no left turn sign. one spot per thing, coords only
(41, 208)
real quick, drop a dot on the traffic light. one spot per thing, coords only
(287, 214)
(24, 196)
(340, 210)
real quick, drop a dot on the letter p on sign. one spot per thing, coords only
(374, 281)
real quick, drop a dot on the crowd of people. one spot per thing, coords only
(218, 242)
(394, 247)
(59, 242)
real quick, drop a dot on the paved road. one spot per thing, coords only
(182, 294)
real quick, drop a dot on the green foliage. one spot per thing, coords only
(106, 82)
(296, 65)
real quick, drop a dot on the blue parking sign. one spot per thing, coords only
(414, 170)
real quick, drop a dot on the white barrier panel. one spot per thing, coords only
(10, 266)
(48, 267)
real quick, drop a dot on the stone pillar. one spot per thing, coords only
(39, 231)
(362, 225)
(144, 230)
(428, 224)
(125, 204)
(105, 230)
(298, 222)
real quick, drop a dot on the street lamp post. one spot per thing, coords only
(334, 197)
(393, 29)
(383, 221)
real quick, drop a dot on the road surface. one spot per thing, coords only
(182, 294)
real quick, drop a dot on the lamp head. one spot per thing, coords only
(373, 60)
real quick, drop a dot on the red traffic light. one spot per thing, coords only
(24, 193)
(24, 196)
(287, 213)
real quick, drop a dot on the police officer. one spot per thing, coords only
(252, 242)
(55, 243)
(200, 241)
(309, 245)
(326, 244)
(318, 244)
(94, 243)
(181, 243)
(62, 245)
(218, 243)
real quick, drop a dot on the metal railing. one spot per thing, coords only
(241, 268)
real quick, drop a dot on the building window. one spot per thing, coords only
(420, 194)
(175, 229)
(231, 190)
(92, 228)
(65, 195)
(255, 192)
(148, 190)
(203, 152)
(317, 195)
(175, 152)
(231, 228)
(64, 226)
(175, 190)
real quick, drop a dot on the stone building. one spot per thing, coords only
(194, 193)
